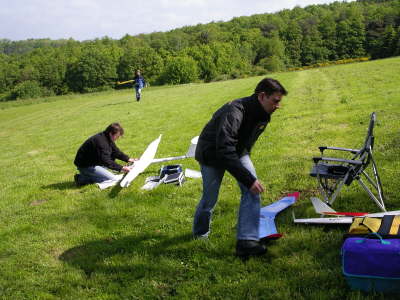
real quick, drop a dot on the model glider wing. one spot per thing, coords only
(139, 166)
(386, 213)
(267, 227)
(341, 220)
(341, 217)
(123, 82)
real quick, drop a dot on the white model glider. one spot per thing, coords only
(147, 158)
(139, 166)
(341, 217)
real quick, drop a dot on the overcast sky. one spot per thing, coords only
(90, 19)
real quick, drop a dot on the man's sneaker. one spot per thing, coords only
(201, 237)
(77, 181)
(245, 248)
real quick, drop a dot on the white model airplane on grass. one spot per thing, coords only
(340, 217)
(147, 158)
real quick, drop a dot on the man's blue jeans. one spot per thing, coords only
(249, 210)
(138, 93)
(95, 174)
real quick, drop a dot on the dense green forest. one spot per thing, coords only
(244, 46)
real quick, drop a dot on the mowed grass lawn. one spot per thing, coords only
(58, 241)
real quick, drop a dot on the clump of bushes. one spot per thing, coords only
(29, 89)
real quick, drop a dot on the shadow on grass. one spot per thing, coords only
(115, 190)
(67, 185)
(93, 256)
(118, 103)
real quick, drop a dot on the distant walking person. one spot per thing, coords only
(98, 153)
(139, 84)
(224, 144)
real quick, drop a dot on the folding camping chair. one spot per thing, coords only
(333, 173)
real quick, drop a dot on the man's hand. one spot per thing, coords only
(257, 187)
(132, 160)
(125, 169)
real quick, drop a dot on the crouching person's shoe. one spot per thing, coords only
(246, 248)
(78, 181)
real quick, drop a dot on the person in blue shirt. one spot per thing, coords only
(139, 84)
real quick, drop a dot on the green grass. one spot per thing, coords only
(63, 242)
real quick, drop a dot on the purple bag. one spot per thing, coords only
(372, 264)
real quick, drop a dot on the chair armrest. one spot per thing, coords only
(349, 161)
(323, 148)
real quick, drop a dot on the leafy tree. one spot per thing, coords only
(204, 56)
(96, 69)
(272, 63)
(181, 69)
(178, 40)
(145, 59)
(29, 89)
(9, 73)
(157, 40)
(389, 42)
(350, 35)
(292, 38)
(51, 65)
(272, 46)
(228, 60)
(313, 49)
(248, 42)
(129, 41)
(327, 29)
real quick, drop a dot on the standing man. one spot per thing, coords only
(98, 153)
(139, 84)
(225, 144)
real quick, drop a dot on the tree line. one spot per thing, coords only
(243, 46)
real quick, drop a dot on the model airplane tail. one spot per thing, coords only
(321, 207)
(324, 209)
(190, 153)
(267, 229)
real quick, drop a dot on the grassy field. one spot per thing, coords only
(63, 242)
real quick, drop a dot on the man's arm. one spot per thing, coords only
(226, 140)
(116, 153)
(105, 153)
(106, 158)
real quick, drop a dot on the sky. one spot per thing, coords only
(91, 19)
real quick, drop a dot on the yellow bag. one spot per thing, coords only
(387, 226)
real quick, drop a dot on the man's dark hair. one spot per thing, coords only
(270, 86)
(113, 128)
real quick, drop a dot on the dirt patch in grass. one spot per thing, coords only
(38, 202)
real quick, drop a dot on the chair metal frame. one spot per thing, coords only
(333, 173)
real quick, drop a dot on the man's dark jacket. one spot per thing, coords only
(230, 134)
(99, 150)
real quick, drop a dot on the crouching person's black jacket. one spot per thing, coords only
(99, 150)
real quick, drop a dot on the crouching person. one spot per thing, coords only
(97, 154)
